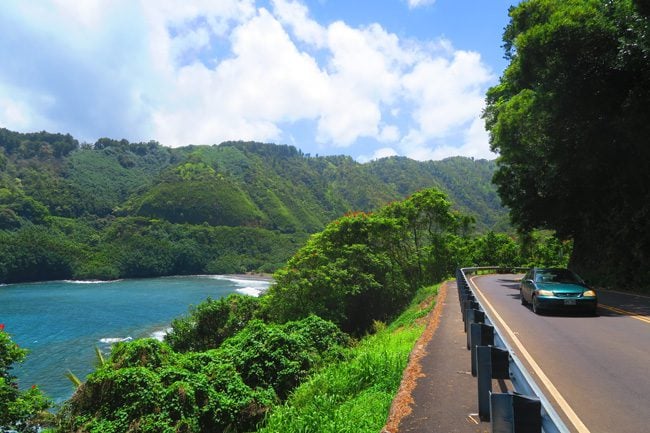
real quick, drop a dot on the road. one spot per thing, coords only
(595, 370)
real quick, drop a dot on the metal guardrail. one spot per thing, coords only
(527, 410)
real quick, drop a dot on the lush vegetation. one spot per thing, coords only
(233, 360)
(145, 386)
(116, 209)
(210, 323)
(354, 394)
(313, 354)
(137, 247)
(569, 121)
(367, 267)
(241, 363)
(22, 411)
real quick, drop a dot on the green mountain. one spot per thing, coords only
(91, 204)
(279, 188)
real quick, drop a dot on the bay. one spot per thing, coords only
(61, 322)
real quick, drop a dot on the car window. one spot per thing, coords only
(542, 277)
(557, 276)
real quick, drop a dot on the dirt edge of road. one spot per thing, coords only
(403, 401)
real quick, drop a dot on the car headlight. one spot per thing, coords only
(589, 293)
(544, 293)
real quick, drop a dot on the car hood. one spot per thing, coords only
(562, 287)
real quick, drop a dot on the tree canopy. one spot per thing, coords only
(365, 267)
(117, 209)
(569, 119)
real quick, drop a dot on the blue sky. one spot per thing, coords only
(366, 78)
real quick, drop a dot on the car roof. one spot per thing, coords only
(550, 268)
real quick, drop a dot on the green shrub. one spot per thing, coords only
(280, 356)
(366, 267)
(211, 322)
(145, 386)
(171, 398)
(354, 394)
(146, 352)
(19, 410)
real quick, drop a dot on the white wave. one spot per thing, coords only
(247, 286)
(251, 291)
(113, 340)
(90, 281)
(160, 334)
(251, 282)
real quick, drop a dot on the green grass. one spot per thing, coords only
(355, 395)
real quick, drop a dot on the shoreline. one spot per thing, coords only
(250, 277)
(70, 338)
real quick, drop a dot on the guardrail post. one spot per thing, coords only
(464, 294)
(459, 278)
(473, 316)
(515, 413)
(492, 363)
(480, 335)
(468, 305)
(461, 283)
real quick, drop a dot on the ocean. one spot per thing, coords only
(61, 322)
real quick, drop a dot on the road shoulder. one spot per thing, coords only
(438, 393)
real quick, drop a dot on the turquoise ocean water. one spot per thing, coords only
(61, 322)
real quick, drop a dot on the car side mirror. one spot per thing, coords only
(529, 282)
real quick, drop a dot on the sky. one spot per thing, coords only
(365, 78)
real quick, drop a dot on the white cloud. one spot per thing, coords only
(477, 141)
(295, 15)
(17, 109)
(207, 71)
(418, 3)
(384, 152)
(87, 14)
(446, 92)
(190, 40)
(474, 143)
(13, 114)
(162, 17)
(265, 82)
(389, 133)
(364, 71)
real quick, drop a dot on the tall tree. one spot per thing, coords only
(570, 121)
(366, 267)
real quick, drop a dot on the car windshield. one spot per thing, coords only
(556, 276)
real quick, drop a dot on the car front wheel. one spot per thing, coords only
(536, 308)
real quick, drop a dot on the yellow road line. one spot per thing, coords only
(636, 295)
(562, 403)
(626, 313)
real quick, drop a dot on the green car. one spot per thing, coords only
(556, 288)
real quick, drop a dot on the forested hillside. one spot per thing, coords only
(118, 209)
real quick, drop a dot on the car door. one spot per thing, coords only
(526, 286)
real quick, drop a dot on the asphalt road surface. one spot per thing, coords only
(595, 370)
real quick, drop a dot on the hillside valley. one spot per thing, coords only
(117, 209)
